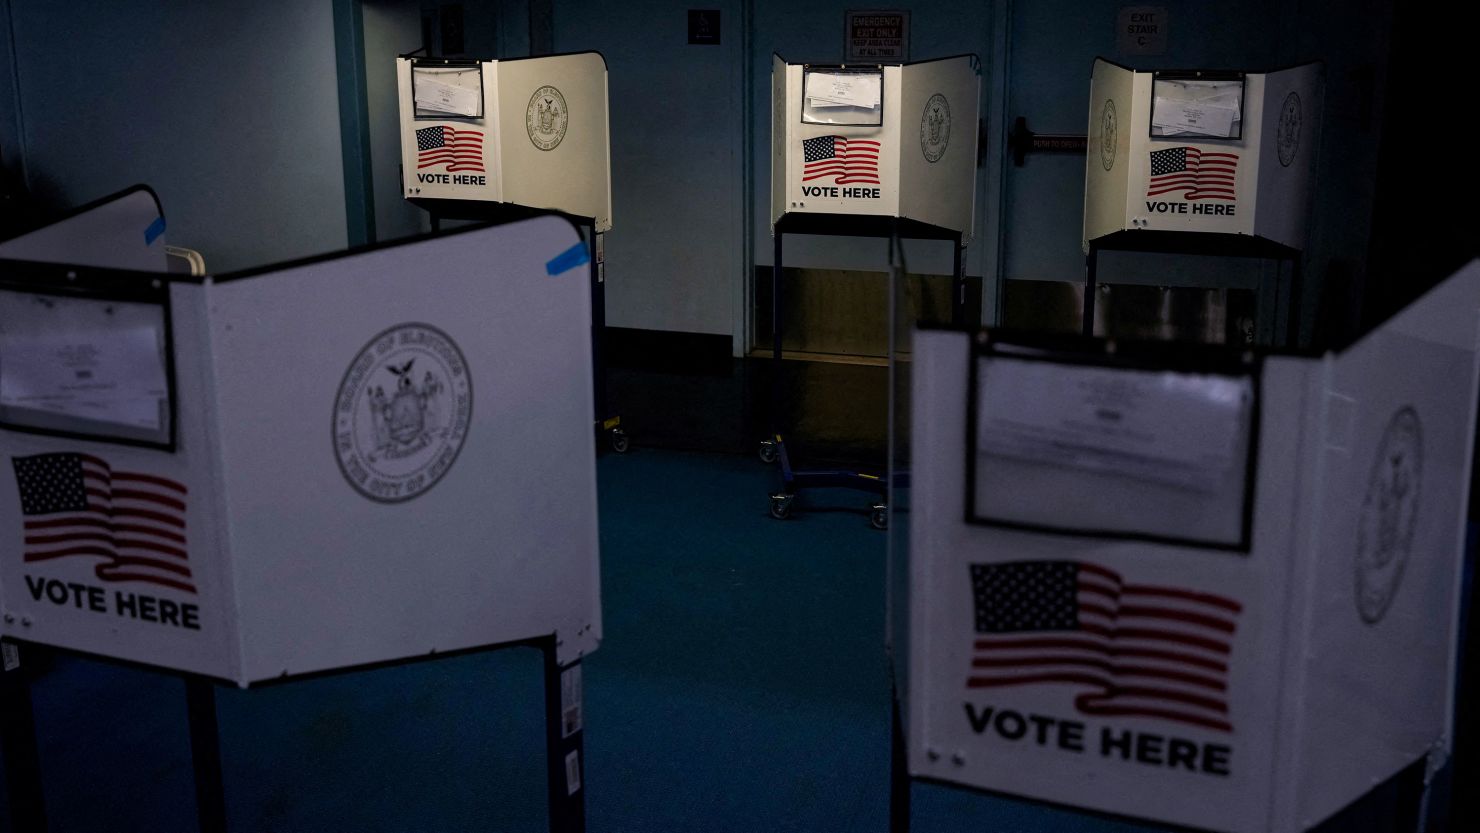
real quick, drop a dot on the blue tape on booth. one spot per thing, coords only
(155, 229)
(569, 259)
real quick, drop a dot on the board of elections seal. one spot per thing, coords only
(546, 118)
(1287, 135)
(1109, 134)
(1389, 515)
(935, 128)
(402, 413)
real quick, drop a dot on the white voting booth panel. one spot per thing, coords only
(1102, 615)
(122, 231)
(894, 141)
(373, 457)
(526, 131)
(1221, 153)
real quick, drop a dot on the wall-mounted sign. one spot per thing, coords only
(876, 36)
(704, 26)
(1141, 30)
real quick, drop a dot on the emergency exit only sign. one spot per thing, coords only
(1141, 30)
(876, 37)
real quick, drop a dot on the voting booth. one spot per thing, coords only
(1219, 152)
(324, 422)
(524, 131)
(879, 140)
(1204, 162)
(347, 461)
(867, 150)
(495, 140)
(1205, 587)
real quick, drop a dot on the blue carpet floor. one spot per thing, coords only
(741, 686)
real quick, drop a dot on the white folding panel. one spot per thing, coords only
(1255, 181)
(1379, 569)
(906, 148)
(525, 131)
(1258, 683)
(377, 456)
(938, 142)
(123, 231)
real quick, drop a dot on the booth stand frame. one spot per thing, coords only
(607, 423)
(21, 745)
(1286, 292)
(773, 449)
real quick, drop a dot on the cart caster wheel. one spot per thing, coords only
(781, 506)
(621, 443)
(768, 451)
(878, 516)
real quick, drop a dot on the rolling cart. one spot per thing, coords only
(773, 449)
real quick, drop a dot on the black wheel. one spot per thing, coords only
(781, 507)
(768, 452)
(620, 441)
(878, 517)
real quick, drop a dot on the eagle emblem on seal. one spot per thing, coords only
(407, 416)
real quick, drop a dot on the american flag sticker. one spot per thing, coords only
(841, 160)
(456, 149)
(78, 506)
(1128, 649)
(1198, 174)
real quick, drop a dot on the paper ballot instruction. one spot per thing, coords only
(845, 89)
(113, 376)
(1197, 108)
(1179, 429)
(847, 98)
(452, 92)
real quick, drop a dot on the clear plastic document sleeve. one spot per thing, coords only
(84, 365)
(441, 91)
(1190, 107)
(1116, 450)
(843, 97)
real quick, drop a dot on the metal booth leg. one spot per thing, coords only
(205, 753)
(18, 743)
(1090, 285)
(598, 326)
(564, 742)
(958, 285)
(899, 772)
(608, 424)
(776, 289)
(1292, 336)
(770, 447)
